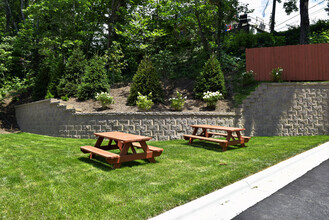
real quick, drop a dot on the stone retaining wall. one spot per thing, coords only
(287, 109)
(51, 117)
(282, 109)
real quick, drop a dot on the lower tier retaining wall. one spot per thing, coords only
(282, 109)
(49, 117)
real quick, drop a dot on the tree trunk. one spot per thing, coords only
(115, 7)
(22, 14)
(204, 39)
(10, 15)
(220, 27)
(304, 22)
(273, 16)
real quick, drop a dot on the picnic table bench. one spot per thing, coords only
(231, 139)
(123, 142)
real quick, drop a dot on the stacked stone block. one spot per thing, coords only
(50, 117)
(283, 109)
(287, 109)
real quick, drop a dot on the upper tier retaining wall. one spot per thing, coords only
(272, 109)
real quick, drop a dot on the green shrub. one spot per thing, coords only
(320, 38)
(105, 99)
(94, 79)
(164, 62)
(247, 78)
(41, 82)
(276, 74)
(49, 95)
(211, 98)
(144, 102)
(65, 98)
(178, 102)
(74, 70)
(210, 79)
(145, 81)
(115, 62)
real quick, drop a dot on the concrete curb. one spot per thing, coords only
(231, 200)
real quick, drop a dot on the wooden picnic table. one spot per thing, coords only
(123, 142)
(231, 139)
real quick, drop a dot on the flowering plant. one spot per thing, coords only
(248, 77)
(104, 98)
(144, 102)
(178, 102)
(211, 98)
(277, 74)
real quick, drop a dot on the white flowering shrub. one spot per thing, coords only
(144, 102)
(247, 78)
(276, 74)
(211, 98)
(105, 99)
(178, 102)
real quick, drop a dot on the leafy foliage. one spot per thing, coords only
(144, 102)
(322, 37)
(211, 78)
(177, 103)
(211, 98)
(94, 79)
(247, 78)
(52, 41)
(105, 99)
(276, 74)
(115, 63)
(74, 70)
(145, 81)
(236, 43)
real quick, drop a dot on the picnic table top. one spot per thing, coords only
(121, 136)
(215, 127)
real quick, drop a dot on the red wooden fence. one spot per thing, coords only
(299, 62)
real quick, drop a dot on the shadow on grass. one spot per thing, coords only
(101, 163)
(212, 146)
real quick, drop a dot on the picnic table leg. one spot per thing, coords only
(99, 142)
(204, 132)
(145, 149)
(241, 139)
(123, 151)
(193, 133)
(228, 138)
(224, 146)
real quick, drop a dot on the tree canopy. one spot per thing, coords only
(51, 42)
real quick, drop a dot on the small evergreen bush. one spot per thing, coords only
(94, 80)
(74, 70)
(210, 79)
(145, 81)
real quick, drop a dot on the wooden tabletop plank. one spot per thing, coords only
(124, 137)
(215, 127)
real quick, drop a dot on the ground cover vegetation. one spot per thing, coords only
(54, 48)
(50, 177)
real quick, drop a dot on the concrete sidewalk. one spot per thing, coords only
(231, 200)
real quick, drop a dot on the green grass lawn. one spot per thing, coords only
(47, 177)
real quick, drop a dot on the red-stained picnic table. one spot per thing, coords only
(231, 138)
(123, 142)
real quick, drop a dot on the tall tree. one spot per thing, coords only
(273, 15)
(290, 6)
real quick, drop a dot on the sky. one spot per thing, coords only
(282, 20)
